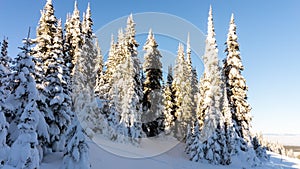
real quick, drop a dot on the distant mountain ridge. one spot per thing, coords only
(285, 139)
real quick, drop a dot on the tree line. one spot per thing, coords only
(60, 78)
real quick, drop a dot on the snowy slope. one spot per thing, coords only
(128, 157)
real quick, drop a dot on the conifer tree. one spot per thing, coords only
(230, 134)
(116, 56)
(168, 102)
(99, 71)
(127, 103)
(131, 46)
(203, 101)
(190, 85)
(4, 77)
(73, 38)
(214, 149)
(236, 89)
(90, 50)
(152, 102)
(124, 85)
(212, 70)
(76, 148)
(27, 140)
(213, 146)
(182, 88)
(194, 148)
(44, 37)
(4, 148)
(195, 88)
(236, 86)
(52, 77)
(106, 79)
(260, 151)
(177, 87)
(5, 59)
(57, 98)
(107, 94)
(28, 123)
(84, 81)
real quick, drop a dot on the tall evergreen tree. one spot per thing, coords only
(57, 97)
(84, 80)
(47, 24)
(236, 85)
(190, 85)
(230, 134)
(202, 105)
(99, 70)
(212, 70)
(107, 93)
(168, 102)
(236, 89)
(28, 123)
(213, 146)
(106, 79)
(50, 73)
(152, 102)
(177, 87)
(131, 46)
(5, 71)
(182, 88)
(73, 38)
(203, 102)
(123, 70)
(127, 103)
(90, 50)
(116, 56)
(44, 40)
(5, 59)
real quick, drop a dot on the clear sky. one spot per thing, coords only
(268, 32)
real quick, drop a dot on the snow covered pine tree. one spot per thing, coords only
(84, 80)
(236, 89)
(76, 154)
(182, 88)
(168, 104)
(212, 145)
(126, 101)
(28, 123)
(5, 71)
(4, 148)
(152, 102)
(47, 55)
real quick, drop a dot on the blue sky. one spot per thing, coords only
(268, 31)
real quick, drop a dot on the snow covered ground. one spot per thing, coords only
(148, 156)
